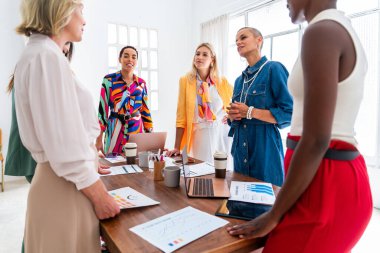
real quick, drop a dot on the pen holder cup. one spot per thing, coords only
(158, 167)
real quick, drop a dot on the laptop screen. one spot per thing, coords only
(149, 141)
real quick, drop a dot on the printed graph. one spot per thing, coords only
(259, 188)
(129, 198)
(252, 192)
(174, 230)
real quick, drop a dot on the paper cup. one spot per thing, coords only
(220, 164)
(130, 150)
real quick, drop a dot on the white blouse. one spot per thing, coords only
(55, 113)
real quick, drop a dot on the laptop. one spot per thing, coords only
(199, 187)
(149, 141)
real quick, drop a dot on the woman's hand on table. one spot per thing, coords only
(173, 152)
(104, 205)
(259, 227)
(103, 169)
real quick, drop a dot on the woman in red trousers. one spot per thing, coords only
(325, 203)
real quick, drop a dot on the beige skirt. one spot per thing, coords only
(59, 218)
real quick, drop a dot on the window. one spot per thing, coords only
(282, 43)
(146, 42)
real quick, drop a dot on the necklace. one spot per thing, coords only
(250, 82)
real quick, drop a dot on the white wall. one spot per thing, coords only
(11, 46)
(170, 17)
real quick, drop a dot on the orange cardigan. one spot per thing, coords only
(186, 104)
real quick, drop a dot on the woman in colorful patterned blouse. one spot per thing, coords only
(123, 107)
(202, 100)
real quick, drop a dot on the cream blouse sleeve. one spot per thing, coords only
(57, 121)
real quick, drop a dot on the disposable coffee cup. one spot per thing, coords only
(144, 159)
(220, 164)
(171, 176)
(130, 150)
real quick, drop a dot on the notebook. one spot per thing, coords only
(149, 141)
(198, 187)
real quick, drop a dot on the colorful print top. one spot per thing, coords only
(118, 97)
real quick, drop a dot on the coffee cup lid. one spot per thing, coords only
(220, 154)
(130, 145)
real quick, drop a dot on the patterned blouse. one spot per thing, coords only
(117, 100)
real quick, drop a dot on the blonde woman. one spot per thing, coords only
(66, 197)
(202, 100)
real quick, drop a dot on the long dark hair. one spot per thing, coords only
(10, 84)
(69, 54)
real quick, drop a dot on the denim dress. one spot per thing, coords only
(257, 146)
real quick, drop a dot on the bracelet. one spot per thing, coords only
(249, 112)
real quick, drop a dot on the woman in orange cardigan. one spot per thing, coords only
(201, 110)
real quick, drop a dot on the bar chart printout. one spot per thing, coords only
(174, 230)
(252, 192)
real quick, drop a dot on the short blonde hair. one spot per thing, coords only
(214, 72)
(45, 16)
(256, 33)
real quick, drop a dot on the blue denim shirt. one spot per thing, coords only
(257, 146)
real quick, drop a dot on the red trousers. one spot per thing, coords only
(333, 212)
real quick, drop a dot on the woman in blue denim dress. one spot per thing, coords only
(261, 105)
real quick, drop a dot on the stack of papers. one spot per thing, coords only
(129, 198)
(174, 230)
(252, 192)
(124, 169)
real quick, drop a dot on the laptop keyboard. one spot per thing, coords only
(203, 187)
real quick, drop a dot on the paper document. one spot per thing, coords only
(116, 159)
(129, 198)
(124, 169)
(174, 230)
(252, 192)
(200, 169)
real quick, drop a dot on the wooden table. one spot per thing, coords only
(116, 232)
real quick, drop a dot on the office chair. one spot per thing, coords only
(2, 160)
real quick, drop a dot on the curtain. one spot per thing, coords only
(215, 32)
